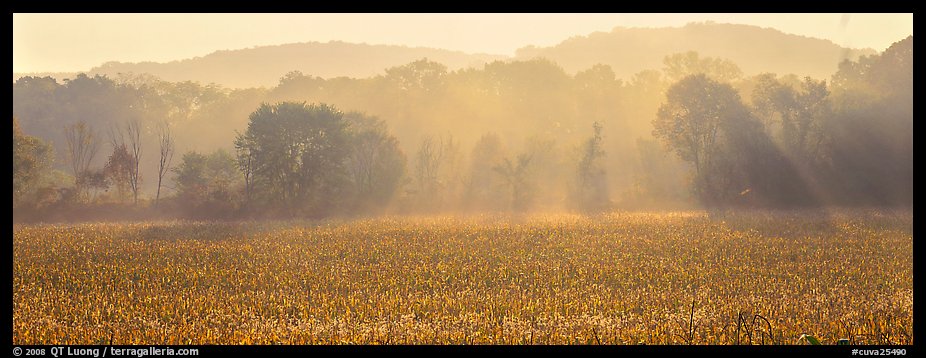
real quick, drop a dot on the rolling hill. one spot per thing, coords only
(626, 50)
(753, 49)
(265, 65)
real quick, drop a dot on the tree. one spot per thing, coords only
(82, 145)
(244, 152)
(133, 130)
(680, 65)
(130, 142)
(888, 74)
(375, 163)
(516, 176)
(689, 122)
(813, 110)
(119, 168)
(794, 117)
(191, 178)
(166, 151)
(94, 181)
(591, 188)
(428, 160)
(299, 153)
(537, 90)
(773, 101)
(181, 100)
(206, 184)
(545, 170)
(31, 159)
(705, 123)
(484, 188)
(596, 92)
(436, 173)
(295, 84)
(418, 76)
(202, 177)
(869, 144)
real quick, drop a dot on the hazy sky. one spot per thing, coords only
(77, 42)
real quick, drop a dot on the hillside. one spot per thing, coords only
(265, 65)
(754, 49)
(626, 50)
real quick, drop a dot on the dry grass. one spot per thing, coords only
(760, 278)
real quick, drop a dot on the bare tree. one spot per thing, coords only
(166, 143)
(449, 171)
(82, 147)
(133, 131)
(517, 179)
(244, 146)
(427, 165)
(115, 136)
(436, 171)
(131, 139)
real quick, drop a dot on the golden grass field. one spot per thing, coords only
(623, 278)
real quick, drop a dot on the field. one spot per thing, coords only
(622, 278)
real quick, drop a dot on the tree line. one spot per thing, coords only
(511, 136)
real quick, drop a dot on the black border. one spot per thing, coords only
(613, 6)
(706, 350)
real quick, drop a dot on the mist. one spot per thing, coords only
(516, 135)
(718, 184)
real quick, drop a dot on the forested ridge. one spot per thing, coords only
(627, 50)
(518, 135)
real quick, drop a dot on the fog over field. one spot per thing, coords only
(365, 178)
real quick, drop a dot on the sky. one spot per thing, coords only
(78, 42)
